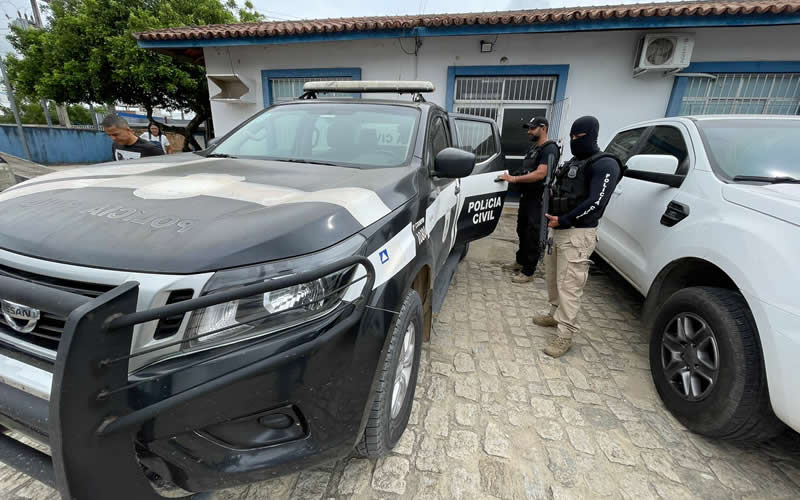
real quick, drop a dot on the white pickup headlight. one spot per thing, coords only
(275, 310)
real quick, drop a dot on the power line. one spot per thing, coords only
(281, 14)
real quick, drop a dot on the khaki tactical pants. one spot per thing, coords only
(567, 270)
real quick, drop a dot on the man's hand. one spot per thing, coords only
(551, 220)
(506, 177)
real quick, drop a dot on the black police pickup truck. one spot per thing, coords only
(223, 317)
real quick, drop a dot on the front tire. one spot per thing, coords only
(398, 380)
(707, 366)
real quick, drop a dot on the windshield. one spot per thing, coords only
(760, 148)
(346, 134)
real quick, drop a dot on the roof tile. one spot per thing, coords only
(566, 14)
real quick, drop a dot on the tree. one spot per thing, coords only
(88, 54)
(31, 113)
(246, 14)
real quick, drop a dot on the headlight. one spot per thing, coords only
(276, 310)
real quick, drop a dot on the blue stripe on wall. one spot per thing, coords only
(268, 74)
(682, 82)
(559, 70)
(56, 146)
(496, 29)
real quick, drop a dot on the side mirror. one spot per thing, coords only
(212, 142)
(659, 169)
(453, 163)
(659, 164)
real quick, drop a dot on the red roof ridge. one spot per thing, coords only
(404, 22)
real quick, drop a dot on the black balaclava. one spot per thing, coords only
(586, 146)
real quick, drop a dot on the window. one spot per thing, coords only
(622, 145)
(282, 85)
(438, 137)
(729, 144)
(477, 138)
(510, 101)
(748, 93)
(288, 89)
(667, 141)
(358, 135)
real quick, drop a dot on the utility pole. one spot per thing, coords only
(13, 102)
(37, 18)
(37, 21)
(94, 116)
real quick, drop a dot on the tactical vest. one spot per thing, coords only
(570, 185)
(531, 161)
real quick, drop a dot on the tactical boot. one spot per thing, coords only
(522, 278)
(544, 320)
(557, 347)
(512, 266)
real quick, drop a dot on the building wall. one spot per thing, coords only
(57, 146)
(600, 78)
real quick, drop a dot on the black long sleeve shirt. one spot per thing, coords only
(603, 175)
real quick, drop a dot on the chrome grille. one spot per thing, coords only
(49, 328)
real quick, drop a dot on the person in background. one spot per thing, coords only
(531, 187)
(155, 136)
(126, 146)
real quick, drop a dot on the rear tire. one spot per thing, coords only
(398, 380)
(707, 365)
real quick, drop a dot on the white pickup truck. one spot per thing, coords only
(706, 225)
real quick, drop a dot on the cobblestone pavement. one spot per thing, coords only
(494, 418)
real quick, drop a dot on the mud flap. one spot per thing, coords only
(442, 283)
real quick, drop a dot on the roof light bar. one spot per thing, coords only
(366, 86)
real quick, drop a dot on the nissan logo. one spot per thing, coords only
(19, 317)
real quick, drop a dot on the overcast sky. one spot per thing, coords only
(317, 9)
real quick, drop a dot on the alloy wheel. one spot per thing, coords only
(402, 373)
(690, 356)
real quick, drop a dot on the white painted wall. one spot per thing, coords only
(600, 78)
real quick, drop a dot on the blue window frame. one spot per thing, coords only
(756, 87)
(269, 77)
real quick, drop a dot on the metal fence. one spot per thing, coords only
(729, 93)
(486, 95)
(557, 114)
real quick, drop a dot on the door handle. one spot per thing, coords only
(675, 213)
(617, 192)
(458, 188)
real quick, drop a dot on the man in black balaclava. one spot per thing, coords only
(579, 195)
(530, 183)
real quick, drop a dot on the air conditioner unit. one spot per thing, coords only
(668, 52)
(230, 87)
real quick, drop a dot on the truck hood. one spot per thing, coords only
(781, 201)
(187, 214)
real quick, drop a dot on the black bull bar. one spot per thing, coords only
(91, 425)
